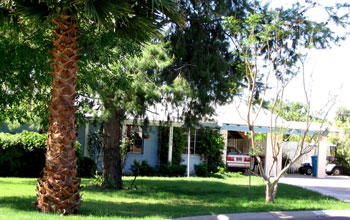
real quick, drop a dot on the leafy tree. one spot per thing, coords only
(342, 114)
(23, 66)
(124, 87)
(273, 42)
(342, 139)
(293, 111)
(58, 189)
(203, 59)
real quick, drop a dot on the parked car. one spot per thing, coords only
(331, 169)
(305, 168)
(236, 159)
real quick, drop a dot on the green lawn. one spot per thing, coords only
(160, 198)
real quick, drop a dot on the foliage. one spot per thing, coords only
(97, 179)
(125, 87)
(142, 169)
(179, 144)
(172, 170)
(86, 167)
(342, 114)
(274, 42)
(26, 140)
(202, 58)
(23, 66)
(201, 169)
(211, 148)
(95, 143)
(293, 111)
(342, 139)
(22, 154)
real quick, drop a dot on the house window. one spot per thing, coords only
(134, 138)
(195, 140)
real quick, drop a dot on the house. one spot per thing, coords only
(229, 119)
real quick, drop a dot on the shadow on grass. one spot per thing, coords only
(177, 198)
(205, 191)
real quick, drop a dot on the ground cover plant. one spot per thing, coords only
(161, 198)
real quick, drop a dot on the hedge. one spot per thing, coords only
(23, 155)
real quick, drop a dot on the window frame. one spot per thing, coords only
(130, 129)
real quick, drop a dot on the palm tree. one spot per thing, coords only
(58, 189)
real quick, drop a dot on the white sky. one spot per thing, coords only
(329, 71)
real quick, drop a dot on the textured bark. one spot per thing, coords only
(58, 189)
(112, 163)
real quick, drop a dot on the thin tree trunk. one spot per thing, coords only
(268, 193)
(112, 161)
(58, 189)
(271, 192)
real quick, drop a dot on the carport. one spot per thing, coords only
(231, 118)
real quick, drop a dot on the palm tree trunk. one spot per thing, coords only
(58, 189)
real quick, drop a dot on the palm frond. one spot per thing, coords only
(169, 8)
(139, 29)
(32, 9)
(4, 16)
(102, 11)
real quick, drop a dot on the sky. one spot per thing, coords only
(327, 73)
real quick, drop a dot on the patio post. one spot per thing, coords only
(273, 143)
(170, 150)
(86, 140)
(224, 134)
(322, 158)
(188, 152)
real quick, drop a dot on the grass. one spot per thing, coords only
(161, 198)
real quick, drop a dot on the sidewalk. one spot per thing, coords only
(321, 214)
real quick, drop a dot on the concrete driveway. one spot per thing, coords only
(335, 186)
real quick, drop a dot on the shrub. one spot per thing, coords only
(22, 154)
(221, 170)
(172, 170)
(179, 144)
(143, 169)
(201, 169)
(211, 149)
(86, 167)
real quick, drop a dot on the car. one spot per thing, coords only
(305, 168)
(333, 169)
(236, 159)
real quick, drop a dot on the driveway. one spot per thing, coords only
(335, 186)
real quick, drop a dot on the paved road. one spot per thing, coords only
(335, 186)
